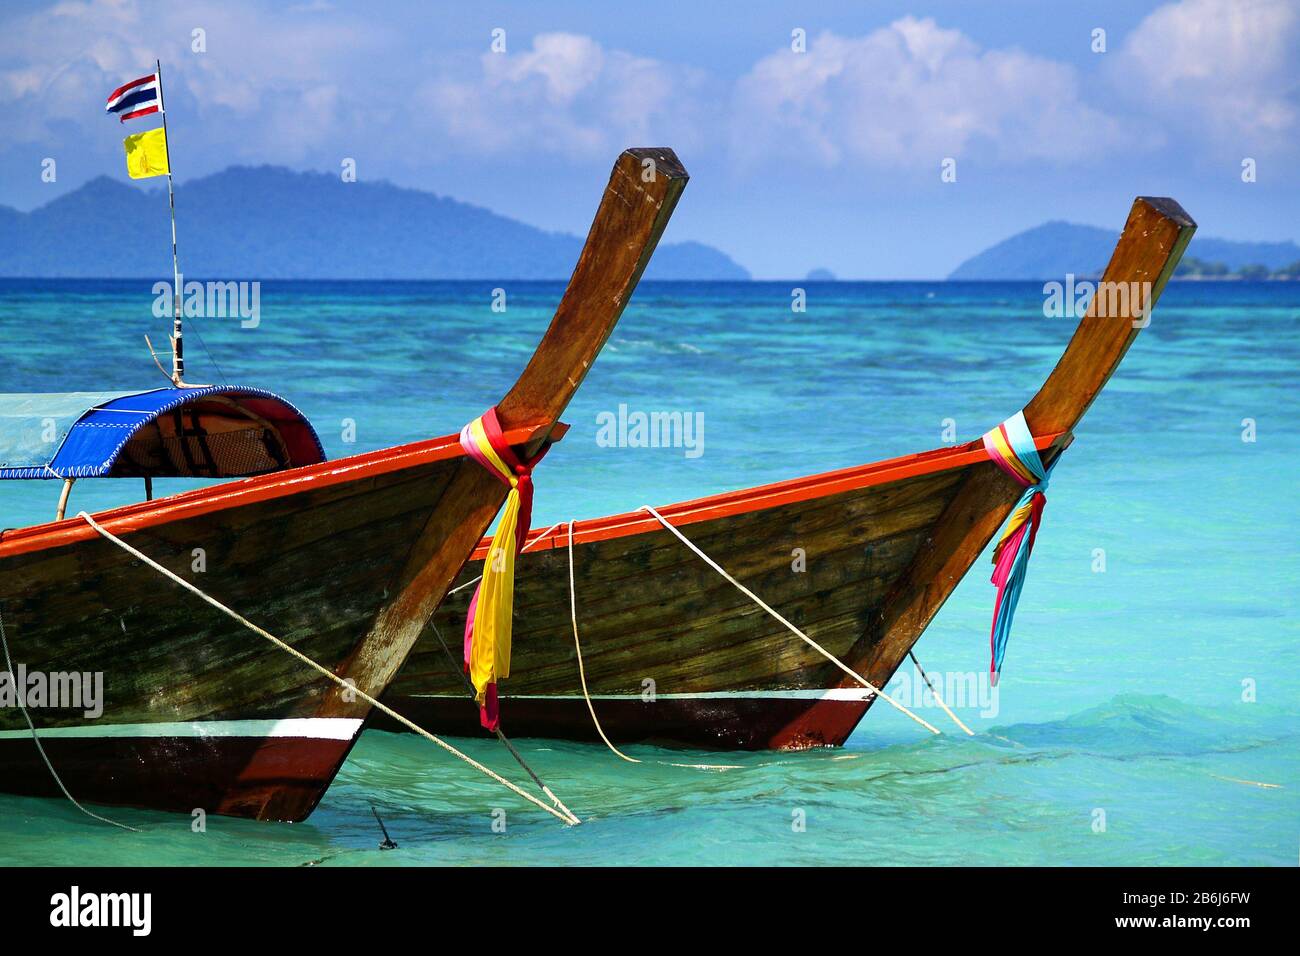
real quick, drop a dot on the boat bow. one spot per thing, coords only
(892, 540)
(637, 203)
(343, 561)
(1145, 257)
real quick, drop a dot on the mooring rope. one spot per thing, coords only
(505, 741)
(565, 815)
(582, 675)
(794, 630)
(577, 646)
(926, 677)
(40, 748)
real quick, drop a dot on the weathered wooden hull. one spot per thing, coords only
(343, 561)
(674, 652)
(199, 712)
(746, 721)
(244, 776)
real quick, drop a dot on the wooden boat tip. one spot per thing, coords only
(1170, 209)
(1146, 254)
(622, 238)
(665, 160)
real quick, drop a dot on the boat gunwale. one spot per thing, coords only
(761, 497)
(240, 492)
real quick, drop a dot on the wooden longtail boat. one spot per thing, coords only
(886, 544)
(345, 560)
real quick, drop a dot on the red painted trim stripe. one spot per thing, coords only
(774, 495)
(245, 491)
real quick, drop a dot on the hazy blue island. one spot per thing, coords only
(267, 222)
(1055, 249)
(1193, 268)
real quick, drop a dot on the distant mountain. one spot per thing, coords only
(1054, 249)
(268, 222)
(820, 275)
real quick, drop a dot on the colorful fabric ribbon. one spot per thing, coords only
(1011, 446)
(491, 611)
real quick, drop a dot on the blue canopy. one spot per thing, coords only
(209, 431)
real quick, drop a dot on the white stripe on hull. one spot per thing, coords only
(815, 693)
(317, 728)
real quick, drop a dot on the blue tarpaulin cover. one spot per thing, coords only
(214, 431)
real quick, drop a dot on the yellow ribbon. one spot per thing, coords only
(491, 621)
(489, 658)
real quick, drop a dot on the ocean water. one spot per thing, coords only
(1149, 713)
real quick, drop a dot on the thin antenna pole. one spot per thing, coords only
(178, 348)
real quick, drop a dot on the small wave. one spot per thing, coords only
(1146, 724)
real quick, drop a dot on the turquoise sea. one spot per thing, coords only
(1149, 713)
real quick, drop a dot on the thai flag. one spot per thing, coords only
(137, 98)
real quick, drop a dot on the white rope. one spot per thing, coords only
(582, 673)
(926, 677)
(566, 815)
(469, 584)
(793, 630)
(505, 741)
(40, 748)
(577, 646)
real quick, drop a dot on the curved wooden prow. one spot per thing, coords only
(1148, 251)
(643, 191)
(1146, 255)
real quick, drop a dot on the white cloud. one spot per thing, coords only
(566, 63)
(566, 95)
(266, 71)
(1221, 71)
(909, 94)
(307, 85)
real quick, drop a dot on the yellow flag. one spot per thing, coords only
(146, 154)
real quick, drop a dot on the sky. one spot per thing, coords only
(829, 156)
